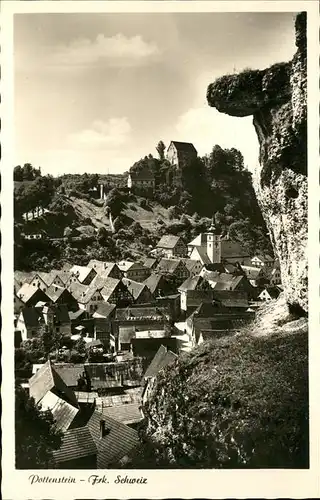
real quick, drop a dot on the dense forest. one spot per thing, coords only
(217, 185)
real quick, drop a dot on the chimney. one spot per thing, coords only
(104, 431)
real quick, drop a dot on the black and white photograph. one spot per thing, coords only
(160, 307)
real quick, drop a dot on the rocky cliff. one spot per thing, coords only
(277, 99)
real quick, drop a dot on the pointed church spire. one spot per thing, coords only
(213, 229)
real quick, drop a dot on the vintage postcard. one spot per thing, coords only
(160, 256)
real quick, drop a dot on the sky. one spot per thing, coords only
(96, 92)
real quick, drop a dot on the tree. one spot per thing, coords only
(80, 346)
(18, 173)
(102, 235)
(161, 149)
(35, 434)
(50, 340)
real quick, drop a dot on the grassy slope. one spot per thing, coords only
(83, 209)
(240, 402)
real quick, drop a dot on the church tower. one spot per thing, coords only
(214, 243)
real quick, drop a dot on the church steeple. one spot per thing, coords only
(214, 243)
(213, 228)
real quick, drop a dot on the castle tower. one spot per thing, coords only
(214, 243)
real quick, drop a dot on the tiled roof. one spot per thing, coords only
(219, 267)
(86, 397)
(27, 291)
(203, 256)
(69, 373)
(82, 293)
(134, 287)
(227, 282)
(185, 147)
(217, 324)
(200, 239)
(101, 266)
(126, 413)
(162, 358)
(168, 241)
(207, 310)
(140, 312)
(273, 291)
(251, 272)
(63, 412)
(76, 443)
(137, 266)
(109, 287)
(104, 310)
(191, 283)
(263, 257)
(119, 441)
(126, 370)
(23, 277)
(124, 265)
(73, 315)
(82, 272)
(150, 262)
(154, 281)
(197, 297)
(130, 396)
(168, 265)
(190, 263)
(46, 379)
(31, 316)
(63, 274)
(54, 292)
(44, 277)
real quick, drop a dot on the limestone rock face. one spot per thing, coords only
(277, 99)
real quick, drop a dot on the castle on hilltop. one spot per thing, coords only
(179, 154)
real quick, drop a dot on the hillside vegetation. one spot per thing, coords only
(240, 402)
(72, 222)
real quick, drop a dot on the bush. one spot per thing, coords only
(234, 403)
